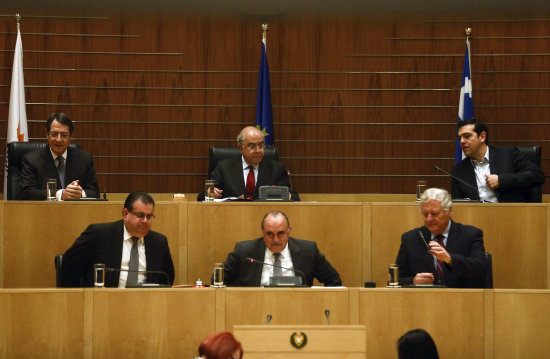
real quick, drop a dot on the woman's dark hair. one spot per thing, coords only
(220, 346)
(416, 344)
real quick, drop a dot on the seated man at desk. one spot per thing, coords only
(443, 251)
(498, 173)
(244, 176)
(128, 246)
(73, 168)
(253, 262)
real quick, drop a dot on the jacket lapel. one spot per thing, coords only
(115, 242)
(237, 172)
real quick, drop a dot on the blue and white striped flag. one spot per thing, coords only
(466, 104)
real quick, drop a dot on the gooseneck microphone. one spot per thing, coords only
(269, 316)
(455, 177)
(327, 314)
(426, 243)
(252, 260)
(164, 274)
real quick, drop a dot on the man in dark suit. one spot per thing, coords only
(73, 168)
(499, 174)
(128, 245)
(442, 251)
(277, 249)
(243, 177)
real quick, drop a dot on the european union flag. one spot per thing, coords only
(466, 104)
(264, 115)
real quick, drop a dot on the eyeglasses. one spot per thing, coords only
(255, 146)
(142, 215)
(64, 135)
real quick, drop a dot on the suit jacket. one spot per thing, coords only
(305, 255)
(228, 176)
(464, 244)
(102, 243)
(39, 165)
(515, 173)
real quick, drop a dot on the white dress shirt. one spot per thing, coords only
(481, 169)
(124, 263)
(286, 262)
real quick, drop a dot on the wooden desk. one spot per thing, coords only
(360, 239)
(169, 323)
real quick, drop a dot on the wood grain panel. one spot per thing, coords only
(339, 69)
(528, 312)
(452, 318)
(46, 324)
(167, 328)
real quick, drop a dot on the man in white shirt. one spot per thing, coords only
(283, 255)
(500, 174)
(128, 246)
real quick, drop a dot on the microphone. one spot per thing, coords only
(437, 261)
(290, 181)
(252, 260)
(424, 240)
(455, 177)
(327, 314)
(104, 193)
(268, 319)
(116, 270)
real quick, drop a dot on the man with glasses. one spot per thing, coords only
(73, 168)
(135, 254)
(243, 177)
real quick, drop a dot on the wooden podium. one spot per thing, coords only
(302, 341)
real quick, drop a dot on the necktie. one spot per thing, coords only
(250, 182)
(133, 265)
(61, 170)
(439, 271)
(277, 270)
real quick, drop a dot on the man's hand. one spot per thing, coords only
(492, 181)
(73, 190)
(423, 278)
(218, 192)
(440, 252)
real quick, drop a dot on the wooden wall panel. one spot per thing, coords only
(377, 95)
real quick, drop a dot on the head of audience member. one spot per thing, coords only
(59, 130)
(138, 213)
(251, 143)
(474, 138)
(276, 229)
(221, 345)
(436, 206)
(416, 344)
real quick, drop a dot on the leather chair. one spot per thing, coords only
(58, 262)
(533, 153)
(16, 151)
(216, 154)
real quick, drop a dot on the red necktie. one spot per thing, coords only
(250, 182)
(439, 238)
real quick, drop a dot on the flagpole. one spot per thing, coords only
(264, 34)
(468, 33)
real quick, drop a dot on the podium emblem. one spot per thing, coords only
(298, 341)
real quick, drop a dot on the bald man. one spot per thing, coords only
(243, 177)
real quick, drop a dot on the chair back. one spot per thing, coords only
(533, 153)
(216, 154)
(16, 151)
(58, 262)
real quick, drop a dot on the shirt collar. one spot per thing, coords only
(445, 232)
(64, 155)
(127, 236)
(484, 160)
(245, 165)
